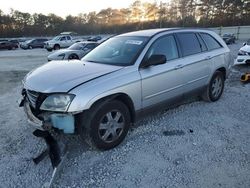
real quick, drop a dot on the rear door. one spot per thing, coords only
(162, 82)
(196, 64)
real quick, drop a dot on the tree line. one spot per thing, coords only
(139, 15)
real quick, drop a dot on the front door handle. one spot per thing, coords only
(179, 66)
(208, 57)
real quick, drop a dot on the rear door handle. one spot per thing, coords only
(208, 57)
(179, 66)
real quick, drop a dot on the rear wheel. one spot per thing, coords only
(215, 87)
(73, 56)
(107, 126)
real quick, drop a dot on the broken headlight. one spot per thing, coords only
(57, 102)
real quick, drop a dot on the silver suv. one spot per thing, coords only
(101, 95)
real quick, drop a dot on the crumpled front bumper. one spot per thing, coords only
(32, 120)
(61, 121)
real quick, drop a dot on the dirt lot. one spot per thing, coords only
(194, 145)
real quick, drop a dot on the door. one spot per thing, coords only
(63, 42)
(196, 65)
(162, 82)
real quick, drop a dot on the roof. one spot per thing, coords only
(152, 32)
(68, 33)
(148, 32)
(88, 42)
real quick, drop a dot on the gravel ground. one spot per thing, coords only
(194, 145)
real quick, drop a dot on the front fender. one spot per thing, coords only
(87, 94)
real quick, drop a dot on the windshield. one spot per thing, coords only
(119, 51)
(77, 46)
(56, 38)
(29, 41)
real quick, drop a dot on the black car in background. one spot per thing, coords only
(34, 43)
(229, 38)
(15, 42)
(7, 45)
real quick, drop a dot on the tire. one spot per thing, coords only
(106, 125)
(215, 87)
(49, 50)
(73, 56)
(56, 47)
(30, 47)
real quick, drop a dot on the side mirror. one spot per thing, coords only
(155, 60)
(85, 49)
(244, 44)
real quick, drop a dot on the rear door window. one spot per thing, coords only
(202, 43)
(210, 41)
(189, 43)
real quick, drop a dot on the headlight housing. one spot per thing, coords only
(57, 102)
(241, 52)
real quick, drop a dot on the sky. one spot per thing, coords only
(64, 8)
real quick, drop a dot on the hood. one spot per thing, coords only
(49, 41)
(63, 51)
(245, 48)
(61, 76)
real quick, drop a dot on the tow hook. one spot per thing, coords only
(245, 78)
(55, 153)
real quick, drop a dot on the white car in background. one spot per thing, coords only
(244, 54)
(75, 51)
(61, 41)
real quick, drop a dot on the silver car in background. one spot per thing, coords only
(75, 51)
(124, 77)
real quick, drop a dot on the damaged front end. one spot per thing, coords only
(48, 112)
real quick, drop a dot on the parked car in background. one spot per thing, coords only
(244, 54)
(8, 45)
(15, 42)
(95, 38)
(75, 51)
(229, 38)
(101, 95)
(34, 43)
(61, 41)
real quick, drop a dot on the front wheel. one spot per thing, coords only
(215, 87)
(73, 56)
(56, 47)
(108, 125)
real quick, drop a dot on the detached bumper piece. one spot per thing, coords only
(245, 78)
(55, 153)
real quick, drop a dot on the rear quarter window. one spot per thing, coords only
(211, 42)
(189, 43)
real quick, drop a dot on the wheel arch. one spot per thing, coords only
(74, 54)
(122, 97)
(223, 70)
(56, 45)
